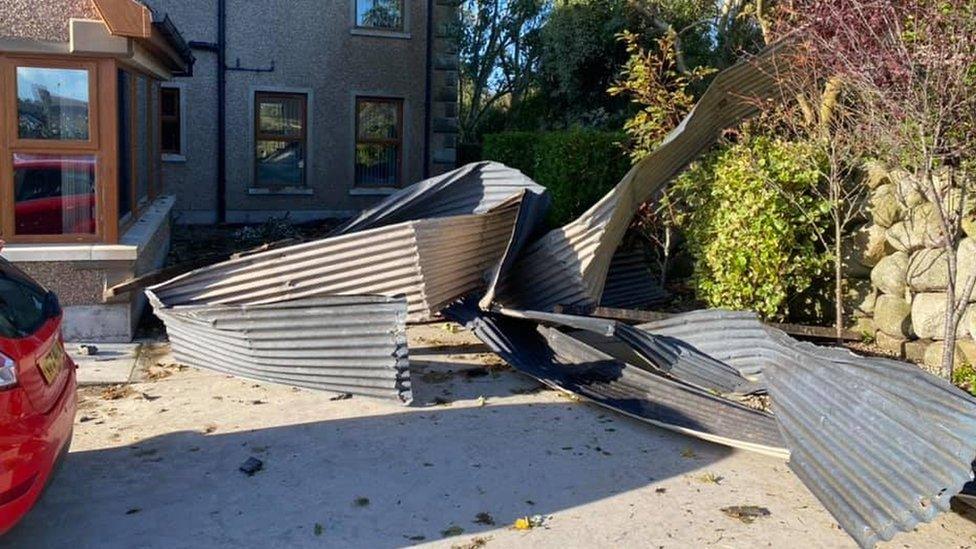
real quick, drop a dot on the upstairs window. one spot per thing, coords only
(380, 14)
(279, 139)
(52, 104)
(379, 141)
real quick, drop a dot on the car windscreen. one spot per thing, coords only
(24, 305)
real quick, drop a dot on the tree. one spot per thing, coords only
(912, 67)
(498, 55)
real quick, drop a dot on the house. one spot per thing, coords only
(120, 117)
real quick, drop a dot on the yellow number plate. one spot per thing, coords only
(51, 363)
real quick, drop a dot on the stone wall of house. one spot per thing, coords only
(902, 302)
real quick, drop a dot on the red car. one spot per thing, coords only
(37, 392)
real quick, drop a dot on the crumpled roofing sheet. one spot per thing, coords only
(630, 284)
(569, 265)
(881, 443)
(565, 362)
(471, 189)
(430, 261)
(347, 344)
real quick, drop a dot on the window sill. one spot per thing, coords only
(373, 191)
(175, 158)
(380, 33)
(287, 191)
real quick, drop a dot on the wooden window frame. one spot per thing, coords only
(398, 101)
(100, 111)
(259, 136)
(400, 29)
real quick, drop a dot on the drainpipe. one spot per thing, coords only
(221, 111)
(428, 102)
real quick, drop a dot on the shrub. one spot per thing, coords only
(577, 166)
(754, 247)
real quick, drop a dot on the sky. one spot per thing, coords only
(70, 83)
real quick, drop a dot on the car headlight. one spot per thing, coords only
(8, 372)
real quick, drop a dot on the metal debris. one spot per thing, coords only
(569, 265)
(630, 284)
(345, 344)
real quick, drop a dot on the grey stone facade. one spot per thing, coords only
(315, 49)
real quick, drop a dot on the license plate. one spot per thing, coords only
(51, 363)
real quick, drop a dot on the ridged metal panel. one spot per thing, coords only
(349, 344)
(569, 265)
(881, 443)
(630, 284)
(470, 189)
(564, 362)
(432, 262)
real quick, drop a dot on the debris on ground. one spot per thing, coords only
(529, 522)
(746, 513)
(117, 392)
(87, 350)
(251, 465)
(484, 518)
(361, 502)
(342, 396)
(474, 543)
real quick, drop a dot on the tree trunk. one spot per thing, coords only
(949, 326)
(838, 283)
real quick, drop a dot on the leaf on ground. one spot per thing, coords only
(361, 502)
(484, 518)
(746, 513)
(452, 530)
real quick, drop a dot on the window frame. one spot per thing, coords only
(11, 143)
(259, 94)
(90, 144)
(154, 187)
(400, 31)
(180, 119)
(399, 141)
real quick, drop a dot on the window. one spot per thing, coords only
(52, 103)
(380, 14)
(54, 194)
(170, 121)
(379, 141)
(279, 139)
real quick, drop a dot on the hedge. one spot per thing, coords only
(577, 166)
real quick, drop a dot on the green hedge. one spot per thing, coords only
(577, 166)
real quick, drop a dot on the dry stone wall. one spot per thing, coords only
(897, 272)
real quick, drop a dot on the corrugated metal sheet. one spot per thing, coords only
(630, 284)
(432, 262)
(563, 361)
(569, 265)
(349, 344)
(471, 189)
(881, 443)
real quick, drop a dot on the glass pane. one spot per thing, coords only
(125, 142)
(142, 140)
(383, 14)
(22, 303)
(280, 116)
(378, 119)
(54, 194)
(377, 165)
(171, 136)
(52, 103)
(280, 163)
(171, 102)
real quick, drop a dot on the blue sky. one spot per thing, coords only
(69, 83)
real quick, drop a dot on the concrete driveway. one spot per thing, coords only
(155, 464)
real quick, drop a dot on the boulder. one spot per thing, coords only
(915, 349)
(890, 274)
(884, 206)
(972, 326)
(928, 317)
(891, 344)
(928, 270)
(875, 174)
(863, 326)
(893, 316)
(866, 247)
(907, 188)
(969, 225)
(920, 229)
(933, 357)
